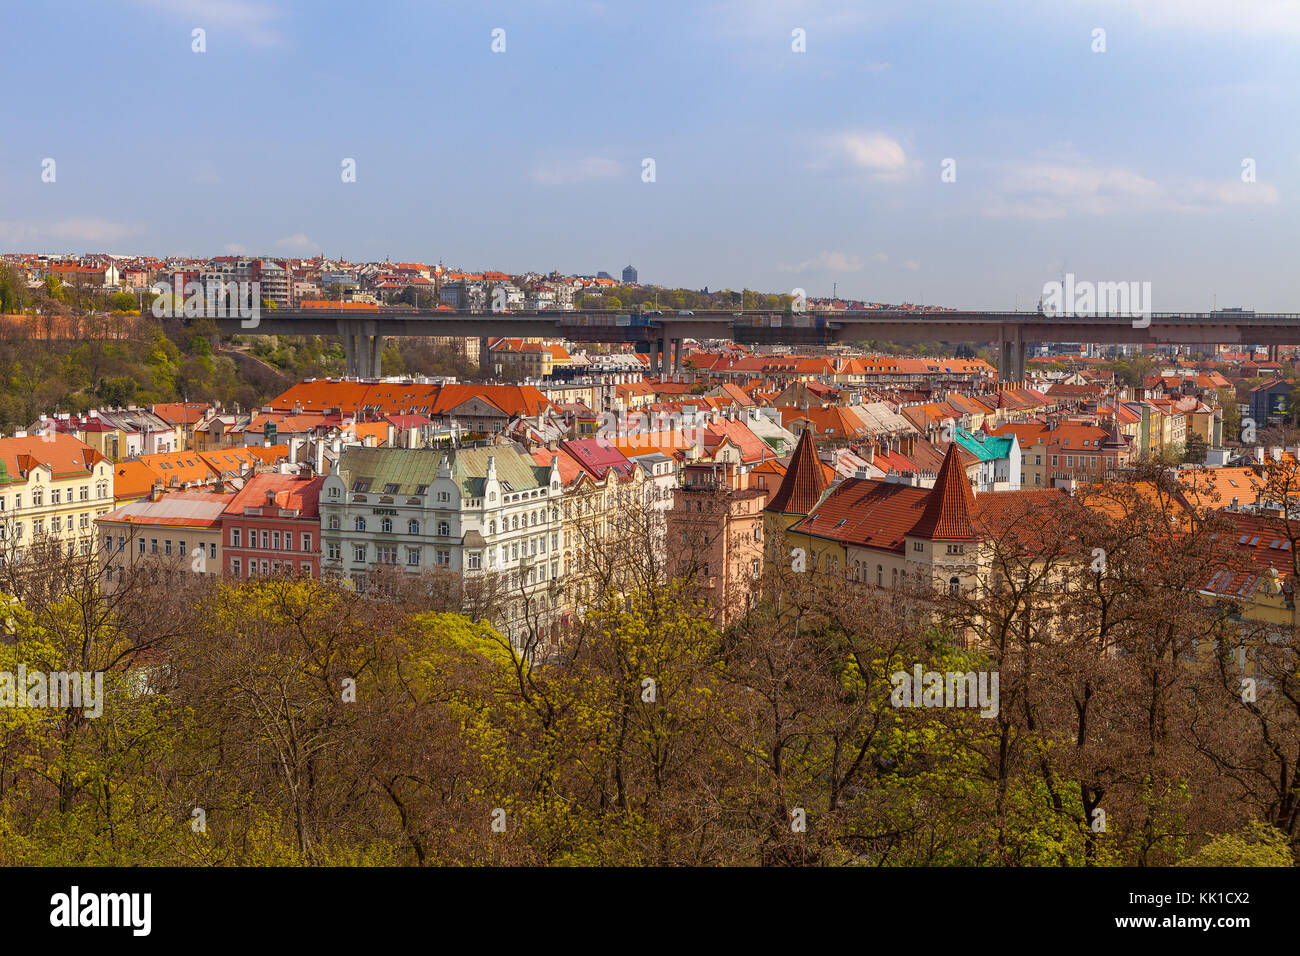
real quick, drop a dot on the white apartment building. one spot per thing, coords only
(476, 511)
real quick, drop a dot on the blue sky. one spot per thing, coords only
(773, 168)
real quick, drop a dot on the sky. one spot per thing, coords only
(953, 152)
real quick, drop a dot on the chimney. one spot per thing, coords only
(1259, 455)
(293, 452)
(392, 435)
(320, 457)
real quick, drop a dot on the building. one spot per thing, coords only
(169, 534)
(1270, 402)
(629, 275)
(715, 534)
(272, 526)
(489, 510)
(52, 488)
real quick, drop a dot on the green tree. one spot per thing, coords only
(1256, 844)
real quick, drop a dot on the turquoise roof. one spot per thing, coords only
(985, 447)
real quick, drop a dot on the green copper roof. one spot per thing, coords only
(409, 468)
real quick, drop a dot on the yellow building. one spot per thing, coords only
(52, 488)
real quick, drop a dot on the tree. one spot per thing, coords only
(1256, 844)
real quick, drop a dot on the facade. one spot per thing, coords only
(169, 534)
(629, 275)
(474, 511)
(272, 526)
(52, 489)
(715, 532)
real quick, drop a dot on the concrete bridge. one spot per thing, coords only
(363, 331)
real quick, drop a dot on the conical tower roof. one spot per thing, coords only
(804, 483)
(950, 507)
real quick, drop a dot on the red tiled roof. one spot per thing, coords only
(803, 484)
(948, 510)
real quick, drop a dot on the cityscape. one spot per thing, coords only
(916, 490)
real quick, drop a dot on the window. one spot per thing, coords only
(38, 498)
(212, 549)
(954, 587)
(83, 493)
(55, 496)
(235, 535)
(276, 538)
(235, 566)
(359, 552)
(333, 552)
(412, 527)
(758, 534)
(167, 546)
(333, 523)
(306, 541)
(181, 548)
(153, 545)
(362, 486)
(475, 560)
(412, 556)
(444, 529)
(390, 489)
(142, 545)
(386, 526)
(360, 524)
(386, 555)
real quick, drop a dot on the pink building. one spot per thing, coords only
(715, 532)
(272, 526)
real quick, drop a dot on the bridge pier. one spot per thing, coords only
(675, 362)
(363, 349)
(484, 358)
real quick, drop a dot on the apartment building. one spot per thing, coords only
(52, 488)
(476, 511)
(167, 533)
(272, 526)
(715, 532)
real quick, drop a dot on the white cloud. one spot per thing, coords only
(253, 21)
(911, 265)
(298, 242)
(586, 170)
(873, 152)
(828, 261)
(1253, 17)
(1058, 186)
(852, 153)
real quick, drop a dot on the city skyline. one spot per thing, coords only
(826, 167)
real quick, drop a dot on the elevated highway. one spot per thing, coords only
(363, 331)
